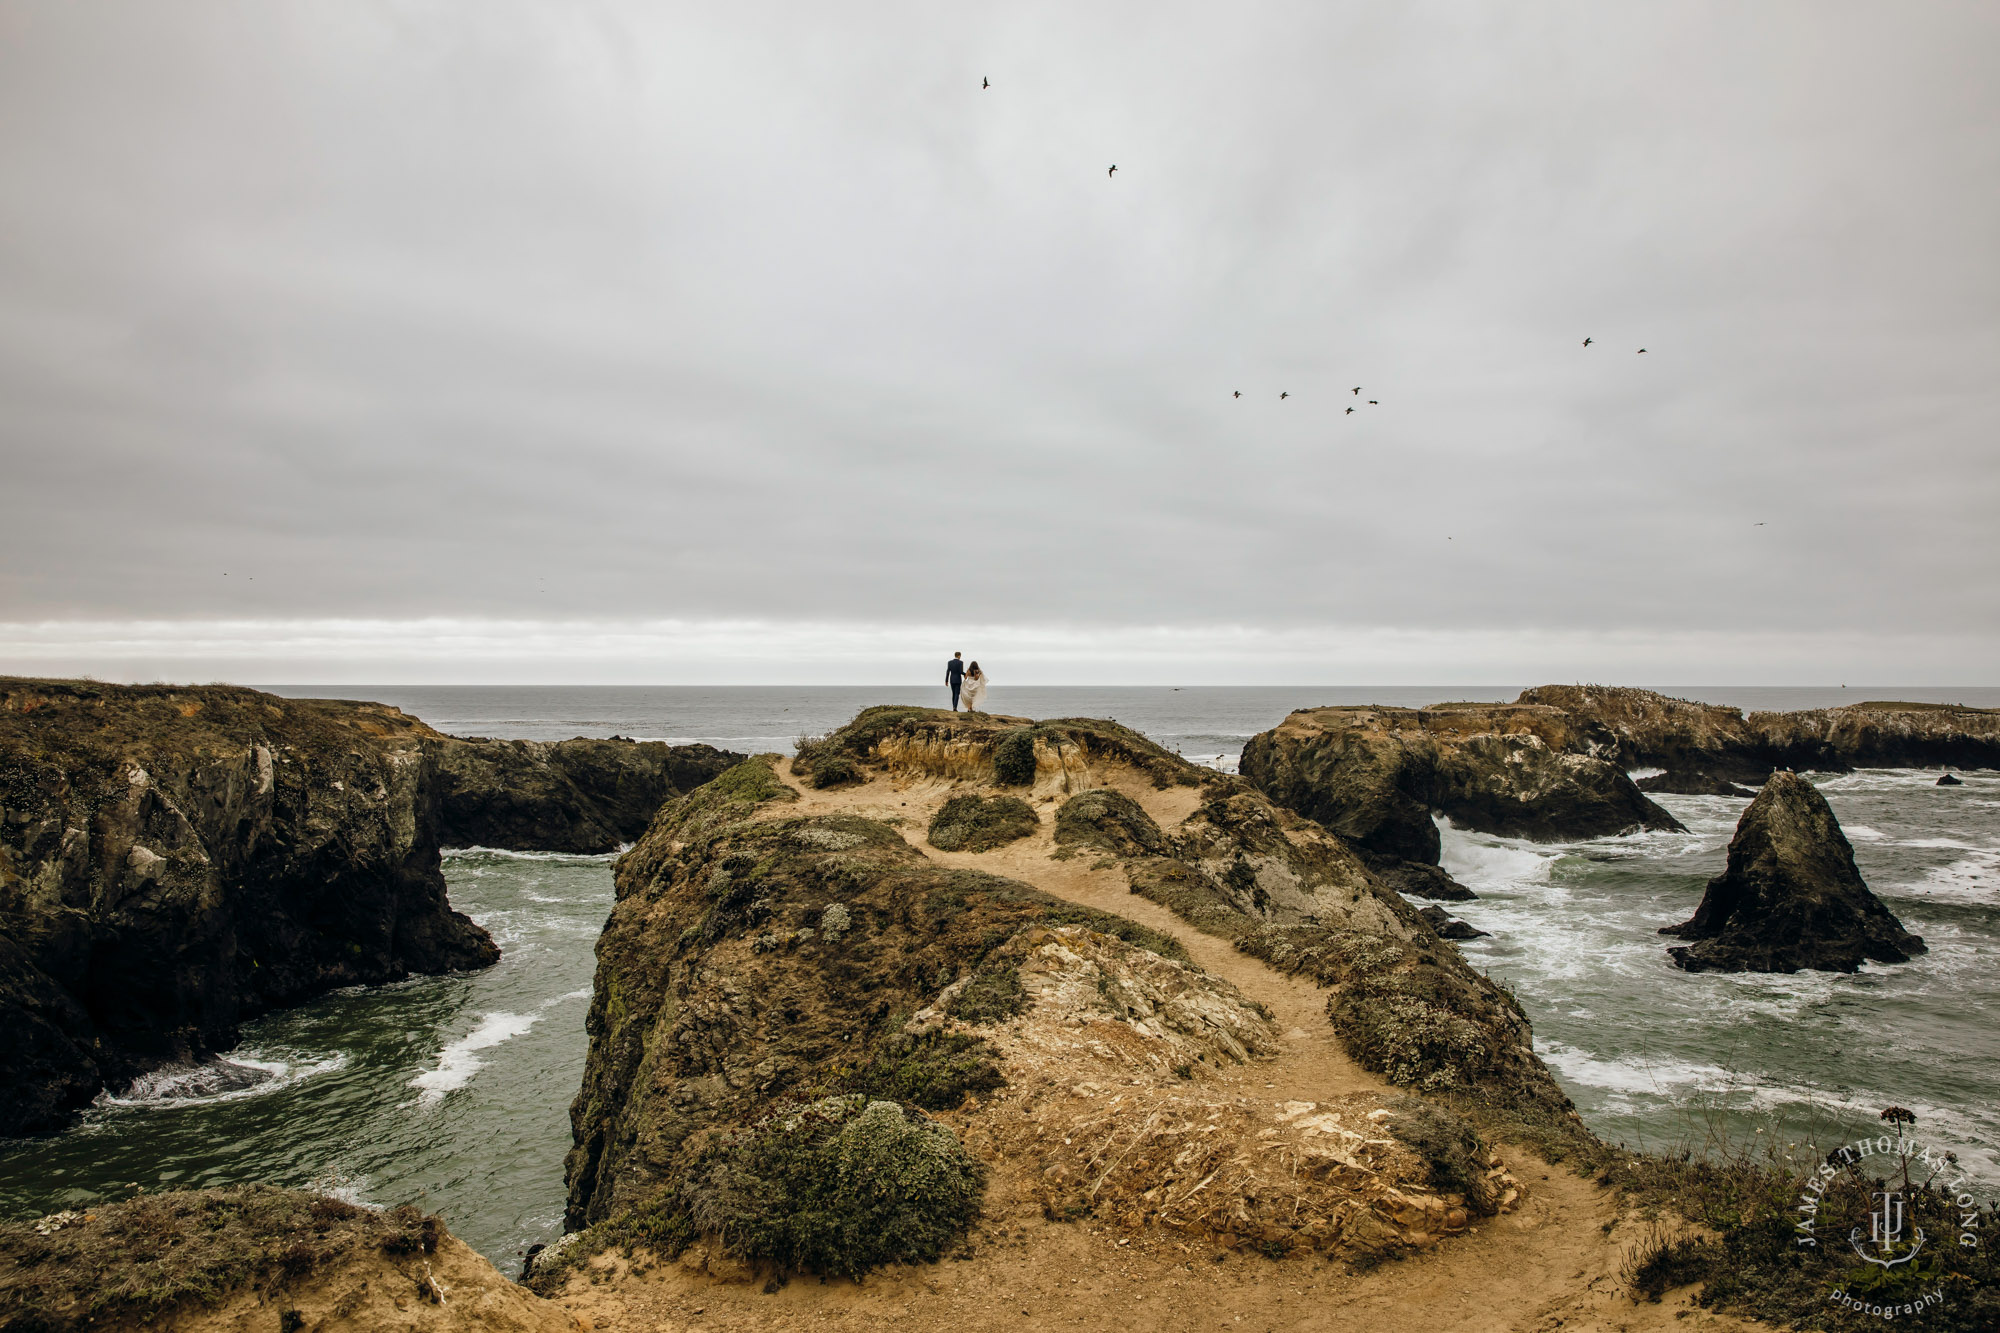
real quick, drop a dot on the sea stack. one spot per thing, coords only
(1790, 898)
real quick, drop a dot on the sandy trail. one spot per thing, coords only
(1552, 1263)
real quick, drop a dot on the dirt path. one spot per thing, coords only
(1552, 1263)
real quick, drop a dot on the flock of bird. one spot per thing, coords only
(1112, 174)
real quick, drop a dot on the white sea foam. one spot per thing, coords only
(240, 1074)
(1866, 834)
(1969, 879)
(1486, 864)
(1640, 774)
(505, 854)
(459, 1061)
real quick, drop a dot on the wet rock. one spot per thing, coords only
(176, 860)
(1449, 927)
(1949, 781)
(1790, 897)
(1413, 879)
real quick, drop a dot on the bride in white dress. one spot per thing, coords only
(975, 687)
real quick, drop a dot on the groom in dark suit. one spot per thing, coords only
(954, 676)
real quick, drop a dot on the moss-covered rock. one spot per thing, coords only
(974, 823)
(754, 963)
(156, 1254)
(1108, 821)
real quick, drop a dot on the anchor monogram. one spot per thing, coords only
(1885, 1233)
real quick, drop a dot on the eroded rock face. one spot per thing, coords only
(174, 861)
(1790, 898)
(1375, 775)
(581, 795)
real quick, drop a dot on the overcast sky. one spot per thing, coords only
(654, 342)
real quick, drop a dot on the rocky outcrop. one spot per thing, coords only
(1881, 735)
(753, 957)
(1949, 780)
(1790, 898)
(581, 795)
(255, 1257)
(779, 968)
(1376, 775)
(1707, 749)
(176, 860)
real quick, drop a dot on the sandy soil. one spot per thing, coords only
(1553, 1262)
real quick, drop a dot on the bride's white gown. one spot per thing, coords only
(975, 690)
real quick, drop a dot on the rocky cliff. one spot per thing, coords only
(803, 981)
(175, 860)
(1709, 749)
(579, 795)
(1790, 897)
(1375, 775)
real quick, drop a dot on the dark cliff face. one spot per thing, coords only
(579, 795)
(1790, 897)
(175, 860)
(1374, 775)
(1709, 749)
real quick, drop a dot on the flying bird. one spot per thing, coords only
(1587, 342)
(1113, 171)
(1756, 525)
(1372, 402)
(1350, 411)
(985, 83)
(1237, 394)
(1284, 395)
(1642, 351)
(1357, 391)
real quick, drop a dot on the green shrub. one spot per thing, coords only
(838, 1187)
(990, 996)
(935, 1071)
(1450, 1147)
(972, 823)
(835, 770)
(1110, 821)
(1014, 758)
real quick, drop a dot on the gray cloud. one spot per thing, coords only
(768, 312)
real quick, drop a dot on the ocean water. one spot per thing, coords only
(453, 1092)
